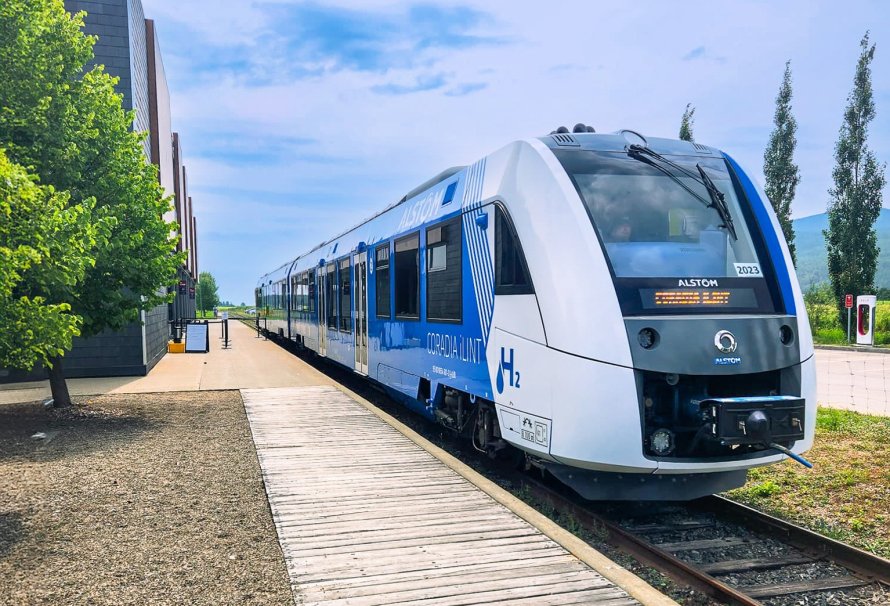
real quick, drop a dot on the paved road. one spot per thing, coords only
(854, 380)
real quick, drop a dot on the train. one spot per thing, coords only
(616, 310)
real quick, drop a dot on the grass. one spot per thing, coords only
(847, 494)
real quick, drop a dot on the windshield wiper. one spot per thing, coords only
(717, 200)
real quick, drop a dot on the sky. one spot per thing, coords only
(300, 119)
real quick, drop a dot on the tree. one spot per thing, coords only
(207, 295)
(856, 196)
(44, 251)
(687, 123)
(782, 174)
(68, 127)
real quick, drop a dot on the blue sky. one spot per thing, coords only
(301, 118)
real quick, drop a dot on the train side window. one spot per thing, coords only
(294, 290)
(407, 275)
(443, 272)
(511, 271)
(312, 297)
(345, 296)
(330, 281)
(381, 271)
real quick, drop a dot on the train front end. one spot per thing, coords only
(711, 368)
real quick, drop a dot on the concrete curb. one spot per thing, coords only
(855, 348)
(623, 578)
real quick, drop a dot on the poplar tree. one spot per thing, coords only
(66, 125)
(856, 196)
(782, 174)
(686, 123)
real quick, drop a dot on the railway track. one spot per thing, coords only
(732, 553)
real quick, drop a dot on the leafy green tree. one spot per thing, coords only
(782, 174)
(856, 196)
(207, 294)
(44, 252)
(687, 122)
(67, 126)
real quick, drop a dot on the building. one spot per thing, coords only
(127, 45)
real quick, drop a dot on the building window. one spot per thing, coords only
(311, 291)
(407, 275)
(345, 298)
(381, 271)
(443, 275)
(511, 272)
(330, 283)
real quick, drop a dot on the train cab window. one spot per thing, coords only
(443, 272)
(330, 288)
(311, 292)
(407, 275)
(345, 297)
(381, 271)
(511, 272)
(294, 293)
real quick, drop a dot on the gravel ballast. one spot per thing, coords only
(135, 499)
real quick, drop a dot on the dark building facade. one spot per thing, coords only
(127, 46)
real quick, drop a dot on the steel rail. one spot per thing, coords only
(862, 563)
(642, 550)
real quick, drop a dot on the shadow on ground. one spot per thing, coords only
(11, 531)
(63, 432)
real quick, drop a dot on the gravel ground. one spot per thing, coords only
(135, 499)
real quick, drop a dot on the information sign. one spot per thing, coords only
(197, 338)
(848, 301)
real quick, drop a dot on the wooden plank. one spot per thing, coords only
(769, 591)
(394, 574)
(703, 544)
(366, 518)
(400, 584)
(675, 527)
(330, 570)
(732, 566)
(460, 594)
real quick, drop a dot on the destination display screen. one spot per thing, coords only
(663, 298)
(670, 296)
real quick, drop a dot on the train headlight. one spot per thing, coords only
(662, 441)
(786, 335)
(648, 338)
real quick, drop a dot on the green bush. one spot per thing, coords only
(827, 327)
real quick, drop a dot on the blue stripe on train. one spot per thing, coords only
(770, 237)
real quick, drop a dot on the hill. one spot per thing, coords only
(812, 265)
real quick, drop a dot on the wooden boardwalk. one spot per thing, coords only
(366, 517)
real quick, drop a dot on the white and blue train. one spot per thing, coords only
(622, 310)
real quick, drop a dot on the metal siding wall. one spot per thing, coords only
(156, 334)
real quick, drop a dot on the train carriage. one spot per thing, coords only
(622, 310)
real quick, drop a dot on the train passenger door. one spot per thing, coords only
(322, 313)
(360, 303)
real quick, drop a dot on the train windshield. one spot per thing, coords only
(663, 236)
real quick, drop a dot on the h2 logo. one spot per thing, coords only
(507, 367)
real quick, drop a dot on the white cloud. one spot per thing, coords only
(613, 65)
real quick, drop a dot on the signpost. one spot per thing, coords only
(848, 303)
(197, 337)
